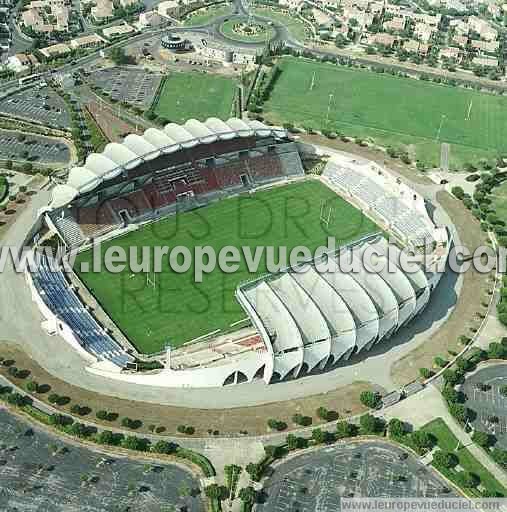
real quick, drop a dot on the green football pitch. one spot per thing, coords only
(195, 96)
(364, 103)
(177, 310)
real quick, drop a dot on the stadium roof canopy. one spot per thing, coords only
(136, 149)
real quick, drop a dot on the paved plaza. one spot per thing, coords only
(316, 481)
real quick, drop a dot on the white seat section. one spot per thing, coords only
(285, 336)
(338, 316)
(309, 319)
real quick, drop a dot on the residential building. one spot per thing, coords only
(118, 31)
(423, 32)
(150, 19)
(460, 40)
(488, 62)
(483, 28)
(416, 47)
(386, 40)
(451, 52)
(102, 10)
(21, 62)
(396, 24)
(167, 8)
(55, 50)
(485, 46)
(89, 41)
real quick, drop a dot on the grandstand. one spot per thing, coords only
(154, 174)
(299, 320)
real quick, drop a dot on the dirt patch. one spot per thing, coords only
(464, 318)
(370, 153)
(113, 128)
(345, 401)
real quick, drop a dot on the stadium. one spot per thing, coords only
(269, 326)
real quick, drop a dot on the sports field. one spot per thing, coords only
(195, 95)
(177, 309)
(364, 103)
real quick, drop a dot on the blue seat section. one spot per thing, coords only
(64, 303)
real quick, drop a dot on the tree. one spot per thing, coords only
(322, 413)
(32, 386)
(440, 361)
(273, 451)
(345, 429)
(499, 456)
(451, 395)
(320, 436)
(105, 437)
(425, 373)
(421, 440)
(370, 399)
(468, 479)
(164, 447)
(396, 428)
(248, 495)
(503, 390)
(458, 192)
(120, 58)
(496, 351)
(482, 439)
(370, 424)
(254, 470)
(295, 442)
(451, 377)
(445, 460)
(301, 420)
(460, 412)
(214, 491)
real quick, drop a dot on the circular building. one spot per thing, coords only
(174, 43)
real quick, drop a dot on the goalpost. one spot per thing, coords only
(151, 280)
(312, 85)
(326, 214)
(467, 117)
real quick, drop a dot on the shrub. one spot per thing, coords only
(370, 399)
(445, 460)
(458, 192)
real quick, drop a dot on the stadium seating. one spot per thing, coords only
(385, 199)
(69, 228)
(65, 304)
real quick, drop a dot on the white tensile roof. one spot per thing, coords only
(135, 149)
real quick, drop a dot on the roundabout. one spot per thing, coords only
(247, 30)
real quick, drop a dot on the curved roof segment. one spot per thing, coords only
(337, 309)
(135, 149)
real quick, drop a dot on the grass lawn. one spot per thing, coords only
(294, 25)
(97, 138)
(206, 14)
(389, 109)
(178, 309)
(227, 29)
(195, 95)
(448, 442)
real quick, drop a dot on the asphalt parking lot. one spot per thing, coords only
(40, 473)
(42, 105)
(134, 86)
(33, 148)
(488, 403)
(317, 481)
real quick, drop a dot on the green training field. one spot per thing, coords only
(364, 103)
(195, 95)
(178, 309)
